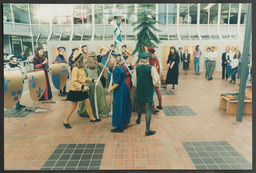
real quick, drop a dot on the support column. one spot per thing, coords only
(246, 50)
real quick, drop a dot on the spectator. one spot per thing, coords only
(30, 56)
(186, 61)
(206, 54)
(225, 57)
(180, 56)
(234, 64)
(101, 55)
(70, 59)
(84, 52)
(197, 54)
(212, 61)
(22, 56)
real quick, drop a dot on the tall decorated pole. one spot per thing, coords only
(116, 22)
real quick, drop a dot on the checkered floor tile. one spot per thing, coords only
(178, 111)
(13, 113)
(75, 157)
(215, 155)
(167, 92)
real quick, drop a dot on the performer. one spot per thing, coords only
(145, 78)
(84, 50)
(100, 59)
(61, 58)
(41, 62)
(127, 73)
(173, 68)
(78, 90)
(122, 107)
(14, 64)
(92, 70)
(153, 60)
(70, 59)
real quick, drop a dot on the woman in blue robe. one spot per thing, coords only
(122, 106)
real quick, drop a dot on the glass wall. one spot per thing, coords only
(193, 12)
(224, 13)
(98, 11)
(184, 14)
(214, 14)
(244, 13)
(7, 15)
(162, 13)
(20, 12)
(234, 13)
(172, 13)
(204, 10)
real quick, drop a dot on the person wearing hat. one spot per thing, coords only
(122, 106)
(14, 64)
(41, 62)
(212, 57)
(92, 70)
(145, 78)
(78, 90)
(153, 60)
(85, 51)
(61, 59)
(70, 59)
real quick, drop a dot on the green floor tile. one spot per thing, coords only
(224, 166)
(213, 167)
(208, 161)
(201, 167)
(197, 161)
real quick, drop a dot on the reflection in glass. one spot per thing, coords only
(224, 13)
(7, 16)
(98, 11)
(193, 13)
(234, 13)
(244, 13)
(172, 14)
(184, 14)
(20, 12)
(204, 10)
(214, 14)
(162, 13)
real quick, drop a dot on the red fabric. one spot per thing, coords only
(84, 55)
(38, 60)
(128, 77)
(159, 96)
(151, 49)
(155, 63)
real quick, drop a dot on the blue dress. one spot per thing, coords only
(122, 105)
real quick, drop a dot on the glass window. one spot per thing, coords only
(244, 13)
(98, 11)
(184, 14)
(234, 13)
(77, 14)
(204, 10)
(224, 13)
(172, 13)
(108, 10)
(193, 13)
(162, 13)
(20, 12)
(214, 14)
(16, 44)
(7, 17)
(131, 17)
(27, 44)
(87, 14)
(121, 8)
(34, 9)
(142, 7)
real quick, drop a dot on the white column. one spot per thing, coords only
(198, 21)
(157, 33)
(31, 32)
(178, 21)
(72, 24)
(238, 20)
(93, 22)
(218, 22)
(12, 17)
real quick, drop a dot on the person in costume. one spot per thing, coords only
(85, 51)
(100, 58)
(14, 64)
(78, 90)
(173, 68)
(62, 59)
(186, 61)
(92, 70)
(122, 106)
(153, 60)
(145, 78)
(127, 73)
(41, 62)
(70, 59)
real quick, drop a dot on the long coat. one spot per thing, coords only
(186, 64)
(172, 74)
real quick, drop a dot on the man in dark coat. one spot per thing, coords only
(145, 78)
(224, 63)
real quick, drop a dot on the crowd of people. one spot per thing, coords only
(133, 84)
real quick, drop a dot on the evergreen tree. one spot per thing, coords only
(145, 36)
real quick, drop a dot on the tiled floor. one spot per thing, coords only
(166, 92)
(178, 111)
(12, 112)
(177, 143)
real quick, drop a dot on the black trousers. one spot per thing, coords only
(224, 70)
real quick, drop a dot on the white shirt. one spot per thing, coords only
(212, 56)
(234, 63)
(206, 55)
(231, 55)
